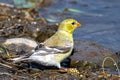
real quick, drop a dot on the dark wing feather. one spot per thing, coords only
(51, 50)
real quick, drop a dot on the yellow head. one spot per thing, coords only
(69, 25)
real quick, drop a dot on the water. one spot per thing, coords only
(100, 19)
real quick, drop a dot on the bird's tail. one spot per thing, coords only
(19, 59)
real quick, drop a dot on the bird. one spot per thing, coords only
(55, 49)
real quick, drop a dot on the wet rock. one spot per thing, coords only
(86, 51)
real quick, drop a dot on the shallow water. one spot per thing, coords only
(100, 19)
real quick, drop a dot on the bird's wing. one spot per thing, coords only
(45, 50)
(42, 50)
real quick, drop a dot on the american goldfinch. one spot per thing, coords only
(55, 49)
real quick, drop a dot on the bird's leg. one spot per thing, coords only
(69, 70)
(61, 69)
(58, 65)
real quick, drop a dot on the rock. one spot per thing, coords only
(88, 51)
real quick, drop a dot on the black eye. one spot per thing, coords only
(73, 23)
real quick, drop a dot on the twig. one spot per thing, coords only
(5, 73)
(6, 65)
(114, 64)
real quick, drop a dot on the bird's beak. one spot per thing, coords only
(79, 25)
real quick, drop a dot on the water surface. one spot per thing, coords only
(100, 19)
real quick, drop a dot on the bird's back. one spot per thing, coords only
(61, 39)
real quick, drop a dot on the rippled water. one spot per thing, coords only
(100, 19)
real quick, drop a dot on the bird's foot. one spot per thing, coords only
(63, 70)
(69, 70)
